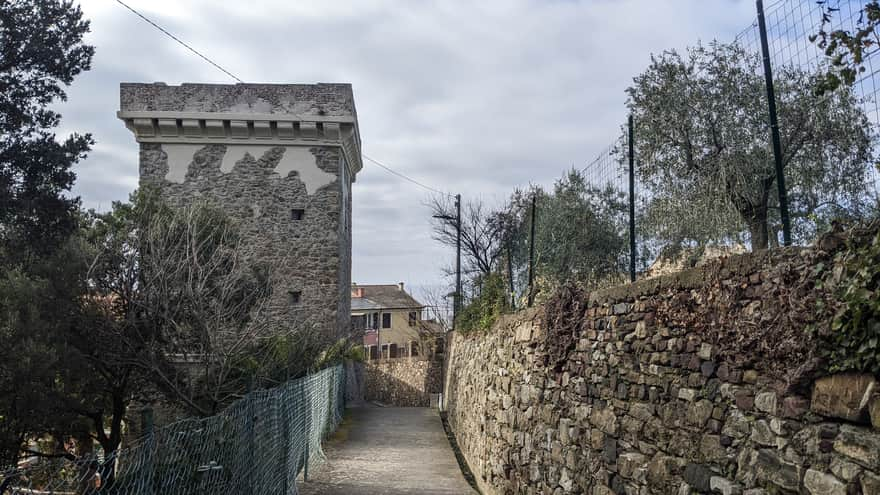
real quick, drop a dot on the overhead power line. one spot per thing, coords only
(175, 38)
(404, 177)
(230, 74)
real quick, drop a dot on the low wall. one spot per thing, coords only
(700, 382)
(402, 382)
(354, 382)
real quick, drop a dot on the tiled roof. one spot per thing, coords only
(364, 304)
(383, 297)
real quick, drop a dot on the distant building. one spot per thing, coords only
(392, 322)
(278, 158)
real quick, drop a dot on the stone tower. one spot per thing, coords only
(280, 159)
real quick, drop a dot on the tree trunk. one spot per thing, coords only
(758, 229)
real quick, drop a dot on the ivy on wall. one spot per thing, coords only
(853, 342)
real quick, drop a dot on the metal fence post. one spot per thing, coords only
(531, 298)
(307, 421)
(774, 128)
(285, 435)
(149, 434)
(249, 432)
(510, 275)
(632, 203)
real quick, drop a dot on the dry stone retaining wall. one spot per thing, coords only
(701, 382)
(403, 382)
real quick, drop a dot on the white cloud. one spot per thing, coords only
(470, 97)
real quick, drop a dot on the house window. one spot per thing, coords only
(294, 296)
(392, 351)
(414, 348)
(386, 320)
(413, 318)
(297, 214)
(374, 321)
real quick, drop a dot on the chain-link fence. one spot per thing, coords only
(692, 171)
(721, 191)
(260, 445)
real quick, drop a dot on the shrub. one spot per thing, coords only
(853, 343)
(484, 310)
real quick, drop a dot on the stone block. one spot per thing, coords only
(724, 486)
(870, 484)
(698, 476)
(630, 463)
(641, 411)
(705, 351)
(769, 466)
(874, 412)
(737, 425)
(663, 471)
(605, 420)
(707, 369)
(699, 412)
(860, 445)
(845, 396)
(819, 483)
(844, 469)
(794, 407)
(711, 449)
(687, 394)
(766, 402)
(762, 434)
(523, 333)
(744, 399)
(750, 376)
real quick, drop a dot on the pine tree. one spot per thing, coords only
(41, 51)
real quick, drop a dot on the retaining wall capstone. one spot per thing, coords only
(705, 381)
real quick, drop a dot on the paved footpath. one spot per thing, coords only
(388, 451)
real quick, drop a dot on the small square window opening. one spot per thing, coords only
(295, 296)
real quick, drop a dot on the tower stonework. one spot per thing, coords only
(280, 160)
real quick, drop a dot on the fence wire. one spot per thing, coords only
(790, 25)
(258, 445)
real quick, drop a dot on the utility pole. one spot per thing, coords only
(774, 127)
(456, 296)
(632, 204)
(531, 299)
(456, 305)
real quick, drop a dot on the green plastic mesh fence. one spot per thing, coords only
(260, 444)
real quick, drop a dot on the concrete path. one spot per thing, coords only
(388, 451)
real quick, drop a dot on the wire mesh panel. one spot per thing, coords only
(791, 24)
(258, 445)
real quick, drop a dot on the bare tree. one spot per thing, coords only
(481, 233)
(189, 307)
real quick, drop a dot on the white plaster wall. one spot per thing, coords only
(295, 158)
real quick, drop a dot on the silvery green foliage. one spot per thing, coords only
(580, 234)
(705, 166)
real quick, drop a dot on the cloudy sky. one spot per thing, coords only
(471, 97)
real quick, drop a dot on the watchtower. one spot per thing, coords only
(279, 158)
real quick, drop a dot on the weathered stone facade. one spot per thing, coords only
(403, 382)
(699, 382)
(280, 159)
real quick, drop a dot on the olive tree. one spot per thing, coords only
(704, 159)
(580, 233)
